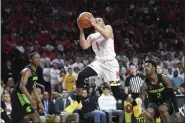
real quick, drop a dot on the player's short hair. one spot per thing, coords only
(32, 54)
(151, 62)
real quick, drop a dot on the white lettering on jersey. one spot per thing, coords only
(103, 48)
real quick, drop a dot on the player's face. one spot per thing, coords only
(100, 22)
(149, 68)
(36, 60)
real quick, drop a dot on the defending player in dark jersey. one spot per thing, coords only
(23, 103)
(160, 93)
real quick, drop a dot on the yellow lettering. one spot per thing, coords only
(157, 90)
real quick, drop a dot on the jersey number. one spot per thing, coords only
(97, 46)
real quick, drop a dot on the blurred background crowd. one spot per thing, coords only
(143, 29)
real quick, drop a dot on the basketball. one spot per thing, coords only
(83, 20)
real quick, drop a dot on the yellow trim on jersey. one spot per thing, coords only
(156, 90)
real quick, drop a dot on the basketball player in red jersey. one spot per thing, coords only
(105, 64)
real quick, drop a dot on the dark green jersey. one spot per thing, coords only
(31, 83)
(156, 93)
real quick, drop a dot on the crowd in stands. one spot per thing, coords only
(151, 30)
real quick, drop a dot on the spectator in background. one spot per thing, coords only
(89, 107)
(49, 110)
(90, 91)
(123, 71)
(10, 85)
(54, 73)
(69, 81)
(58, 60)
(76, 71)
(54, 96)
(67, 65)
(7, 102)
(170, 74)
(78, 63)
(46, 76)
(7, 71)
(4, 115)
(181, 90)
(107, 103)
(61, 104)
(165, 68)
(159, 69)
(182, 73)
(73, 93)
(44, 61)
(176, 80)
(61, 79)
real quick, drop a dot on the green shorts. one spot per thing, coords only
(20, 106)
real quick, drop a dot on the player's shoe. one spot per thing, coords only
(75, 105)
(137, 110)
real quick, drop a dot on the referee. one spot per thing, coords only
(133, 82)
(132, 86)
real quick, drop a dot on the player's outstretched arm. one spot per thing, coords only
(85, 44)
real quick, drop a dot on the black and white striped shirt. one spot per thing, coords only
(134, 82)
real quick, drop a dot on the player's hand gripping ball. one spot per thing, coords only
(83, 20)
